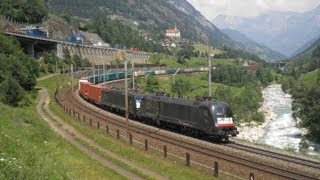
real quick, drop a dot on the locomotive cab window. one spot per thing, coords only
(220, 111)
(223, 115)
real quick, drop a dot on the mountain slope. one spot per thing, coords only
(156, 16)
(153, 16)
(305, 56)
(285, 32)
(253, 47)
(305, 46)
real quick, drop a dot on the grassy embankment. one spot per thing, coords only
(150, 160)
(310, 78)
(29, 149)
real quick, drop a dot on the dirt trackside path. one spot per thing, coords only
(72, 136)
(47, 77)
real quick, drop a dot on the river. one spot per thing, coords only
(281, 129)
(280, 132)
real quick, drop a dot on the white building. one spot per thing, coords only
(175, 32)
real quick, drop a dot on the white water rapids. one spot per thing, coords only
(280, 132)
(280, 128)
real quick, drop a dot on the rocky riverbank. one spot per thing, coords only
(276, 104)
(253, 131)
(279, 129)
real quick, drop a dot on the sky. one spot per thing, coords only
(245, 8)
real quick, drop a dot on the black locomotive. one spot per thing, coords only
(115, 100)
(202, 117)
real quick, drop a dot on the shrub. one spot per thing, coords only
(258, 117)
(152, 84)
(11, 91)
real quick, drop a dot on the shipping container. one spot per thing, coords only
(84, 89)
(83, 79)
(94, 93)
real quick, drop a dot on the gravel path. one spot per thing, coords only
(47, 77)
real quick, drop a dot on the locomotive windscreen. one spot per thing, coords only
(223, 115)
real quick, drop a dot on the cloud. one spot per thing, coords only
(212, 8)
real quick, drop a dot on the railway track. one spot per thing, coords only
(300, 161)
(204, 155)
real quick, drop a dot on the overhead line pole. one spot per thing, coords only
(126, 91)
(209, 78)
(175, 75)
(71, 77)
(133, 87)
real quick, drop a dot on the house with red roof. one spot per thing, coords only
(173, 33)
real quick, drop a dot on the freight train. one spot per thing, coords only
(99, 78)
(203, 117)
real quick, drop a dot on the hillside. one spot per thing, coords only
(151, 16)
(251, 46)
(306, 55)
(305, 46)
(285, 32)
(155, 16)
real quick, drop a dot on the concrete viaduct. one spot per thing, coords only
(96, 55)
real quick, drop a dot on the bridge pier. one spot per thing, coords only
(60, 53)
(30, 48)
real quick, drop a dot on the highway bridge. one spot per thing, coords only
(95, 54)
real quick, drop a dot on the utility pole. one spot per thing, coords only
(174, 75)
(94, 72)
(209, 78)
(93, 66)
(104, 69)
(122, 55)
(99, 67)
(72, 84)
(72, 78)
(56, 72)
(132, 74)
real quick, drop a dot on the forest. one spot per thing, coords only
(31, 11)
